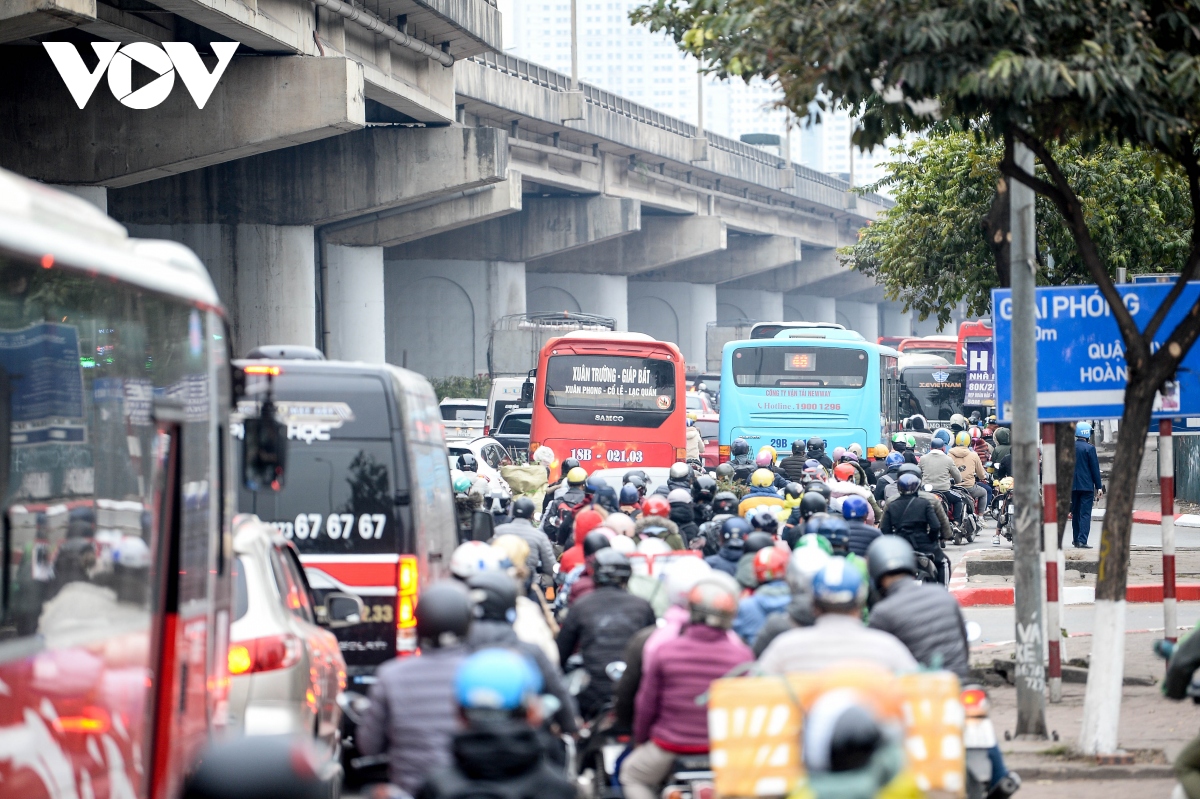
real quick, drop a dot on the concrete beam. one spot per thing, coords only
(841, 286)
(339, 178)
(404, 224)
(546, 226)
(662, 241)
(744, 256)
(816, 265)
(259, 105)
(21, 19)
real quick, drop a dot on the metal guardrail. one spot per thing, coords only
(556, 81)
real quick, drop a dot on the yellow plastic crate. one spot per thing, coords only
(754, 726)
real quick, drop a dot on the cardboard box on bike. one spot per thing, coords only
(755, 723)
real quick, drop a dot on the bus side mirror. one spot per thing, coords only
(527, 391)
(483, 526)
(264, 450)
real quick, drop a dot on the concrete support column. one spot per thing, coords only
(354, 309)
(809, 308)
(440, 313)
(894, 320)
(761, 306)
(605, 295)
(863, 316)
(672, 311)
(96, 195)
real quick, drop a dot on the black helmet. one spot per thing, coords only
(756, 541)
(704, 489)
(890, 554)
(680, 471)
(833, 528)
(811, 503)
(821, 488)
(724, 502)
(908, 483)
(798, 446)
(725, 471)
(444, 615)
(523, 508)
(593, 543)
(739, 447)
(611, 568)
(1002, 436)
(467, 463)
(792, 490)
(568, 464)
(632, 473)
(637, 482)
(763, 518)
(839, 738)
(493, 596)
(909, 468)
(816, 444)
(734, 531)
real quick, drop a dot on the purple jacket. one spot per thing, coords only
(682, 669)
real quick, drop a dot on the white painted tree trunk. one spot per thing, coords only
(1102, 702)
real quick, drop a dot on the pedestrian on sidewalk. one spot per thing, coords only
(1087, 487)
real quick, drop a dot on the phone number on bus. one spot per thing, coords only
(612, 455)
(338, 525)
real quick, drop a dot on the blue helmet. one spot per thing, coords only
(1083, 430)
(812, 463)
(942, 435)
(629, 494)
(894, 459)
(734, 530)
(496, 680)
(855, 507)
(839, 586)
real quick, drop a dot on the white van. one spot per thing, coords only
(504, 397)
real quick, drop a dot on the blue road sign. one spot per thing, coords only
(1081, 357)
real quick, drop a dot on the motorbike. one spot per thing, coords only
(1003, 515)
(594, 765)
(965, 528)
(691, 777)
(927, 571)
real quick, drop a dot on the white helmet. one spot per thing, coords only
(620, 524)
(679, 496)
(472, 558)
(653, 546)
(681, 577)
(543, 455)
(623, 544)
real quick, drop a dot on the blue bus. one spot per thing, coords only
(815, 381)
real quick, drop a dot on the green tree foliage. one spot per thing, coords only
(930, 252)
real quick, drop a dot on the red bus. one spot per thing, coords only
(115, 395)
(945, 346)
(610, 400)
(979, 330)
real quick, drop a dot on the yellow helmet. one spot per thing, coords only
(881, 451)
(771, 450)
(576, 476)
(963, 439)
(762, 478)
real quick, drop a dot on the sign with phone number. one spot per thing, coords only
(337, 526)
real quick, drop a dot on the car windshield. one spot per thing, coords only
(516, 424)
(707, 429)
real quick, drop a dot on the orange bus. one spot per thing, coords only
(979, 330)
(610, 400)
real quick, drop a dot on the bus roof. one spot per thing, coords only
(41, 222)
(609, 335)
(838, 333)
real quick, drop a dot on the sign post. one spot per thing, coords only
(1166, 478)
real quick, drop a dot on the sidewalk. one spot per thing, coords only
(1152, 727)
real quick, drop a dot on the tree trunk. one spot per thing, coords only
(1064, 446)
(996, 226)
(1102, 701)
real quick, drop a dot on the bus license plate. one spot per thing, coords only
(624, 456)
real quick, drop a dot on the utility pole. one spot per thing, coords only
(699, 100)
(575, 45)
(1030, 662)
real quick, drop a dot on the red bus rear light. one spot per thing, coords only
(91, 720)
(269, 653)
(723, 453)
(681, 453)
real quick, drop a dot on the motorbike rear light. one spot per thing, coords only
(268, 653)
(974, 702)
(407, 581)
(704, 790)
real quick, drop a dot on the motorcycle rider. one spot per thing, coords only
(934, 499)
(900, 444)
(1002, 438)
(793, 465)
(913, 518)
(762, 492)
(970, 468)
(579, 583)
(630, 501)
(541, 552)
(740, 460)
(815, 450)
(733, 540)
(862, 535)
(499, 753)
(694, 441)
(939, 471)
(656, 522)
(755, 542)
(683, 514)
(559, 515)
(601, 624)
(535, 623)
(411, 715)
(704, 491)
(679, 476)
(838, 635)
(771, 596)
(878, 465)
(810, 554)
(585, 521)
(843, 485)
(667, 720)
(811, 503)
(885, 490)
(1087, 488)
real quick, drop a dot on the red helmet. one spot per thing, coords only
(844, 472)
(656, 505)
(770, 564)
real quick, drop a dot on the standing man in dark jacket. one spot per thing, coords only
(600, 625)
(412, 715)
(1088, 485)
(913, 518)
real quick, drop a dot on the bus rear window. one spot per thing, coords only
(933, 392)
(804, 367)
(610, 382)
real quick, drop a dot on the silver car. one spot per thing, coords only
(286, 671)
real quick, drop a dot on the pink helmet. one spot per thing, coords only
(764, 459)
(838, 452)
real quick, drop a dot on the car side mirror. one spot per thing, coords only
(264, 450)
(527, 391)
(342, 610)
(483, 526)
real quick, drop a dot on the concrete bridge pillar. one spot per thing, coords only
(863, 317)
(894, 320)
(441, 312)
(605, 295)
(809, 308)
(672, 311)
(354, 306)
(762, 306)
